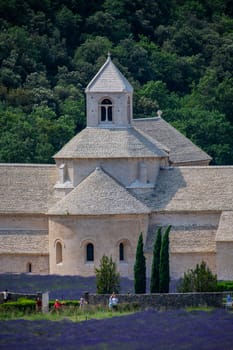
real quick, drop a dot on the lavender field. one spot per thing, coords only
(170, 330)
(61, 287)
(149, 329)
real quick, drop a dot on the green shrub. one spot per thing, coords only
(200, 279)
(225, 286)
(107, 277)
(25, 305)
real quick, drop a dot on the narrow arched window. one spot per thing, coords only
(58, 253)
(121, 252)
(29, 267)
(90, 252)
(106, 110)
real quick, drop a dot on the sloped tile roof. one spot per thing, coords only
(24, 242)
(111, 143)
(182, 150)
(204, 188)
(109, 79)
(225, 229)
(26, 188)
(98, 194)
(187, 239)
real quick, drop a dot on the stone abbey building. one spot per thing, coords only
(116, 178)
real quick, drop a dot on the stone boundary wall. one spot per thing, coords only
(163, 301)
(157, 301)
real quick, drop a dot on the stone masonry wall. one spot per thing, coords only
(164, 301)
(157, 301)
(14, 263)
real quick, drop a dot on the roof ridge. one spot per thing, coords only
(152, 140)
(99, 194)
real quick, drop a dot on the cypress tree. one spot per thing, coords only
(154, 281)
(140, 268)
(164, 273)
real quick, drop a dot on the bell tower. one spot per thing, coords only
(109, 98)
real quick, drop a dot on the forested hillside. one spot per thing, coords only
(178, 55)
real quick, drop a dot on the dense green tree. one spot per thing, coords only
(164, 65)
(145, 16)
(164, 271)
(199, 8)
(107, 277)
(210, 130)
(89, 57)
(152, 96)
(68, 24)
(51, 133)
(187, 40)
(105, 24)
(176, 54)
(200, 279)
(36, 80)
(74, 110)
(120, 28)
(16, 136)
(9, 79)
(204, 93)
(93, 48)
(224, 97)
(140, 268)
(135, 60)
(154, 280)
(20, 97)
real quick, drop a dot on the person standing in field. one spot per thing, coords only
(38, 304)
(5, 295)
(113, 301)
(57, 306)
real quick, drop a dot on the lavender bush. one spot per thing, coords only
(62, 287)
(144, 330)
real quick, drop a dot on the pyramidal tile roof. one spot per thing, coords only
(112, 143)
(182, 150)
(109, 79)
(99, 194)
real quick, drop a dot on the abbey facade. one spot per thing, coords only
(115, 179)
